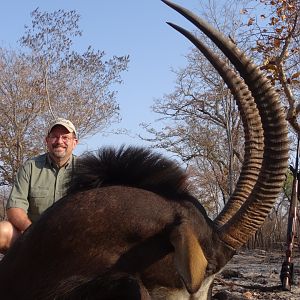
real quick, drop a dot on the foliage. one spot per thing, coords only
(277, 43)
(49, 79)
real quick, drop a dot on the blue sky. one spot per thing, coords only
(135, 27)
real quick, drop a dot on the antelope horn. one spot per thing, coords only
(266, 151)
(253, 130)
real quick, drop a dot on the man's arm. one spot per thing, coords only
(17, 203)
(18, 217)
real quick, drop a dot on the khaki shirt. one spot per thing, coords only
(38, 184)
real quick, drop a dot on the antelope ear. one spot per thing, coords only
(189, 258)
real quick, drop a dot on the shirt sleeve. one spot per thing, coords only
(18, 197)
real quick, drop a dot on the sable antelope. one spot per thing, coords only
(129, 229)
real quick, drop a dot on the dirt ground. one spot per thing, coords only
(256, 275)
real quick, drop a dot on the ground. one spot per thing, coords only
(256, 275)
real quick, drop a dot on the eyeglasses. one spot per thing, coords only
(64, 138)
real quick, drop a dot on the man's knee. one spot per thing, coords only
(8, 234)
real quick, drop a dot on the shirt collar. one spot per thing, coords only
(52, 164)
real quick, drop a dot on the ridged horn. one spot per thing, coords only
(265, 165)
(253, 131)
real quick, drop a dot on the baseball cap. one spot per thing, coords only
(63, 122)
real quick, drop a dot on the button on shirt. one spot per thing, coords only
(39, 183)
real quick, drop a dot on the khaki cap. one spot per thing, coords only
(65, 123)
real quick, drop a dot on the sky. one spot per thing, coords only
(134, 27)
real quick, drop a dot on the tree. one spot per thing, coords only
(276, 39)
(48, 79)
(277, 46)
(202, 124)
(206, 132)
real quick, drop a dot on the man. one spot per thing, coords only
(40, 182)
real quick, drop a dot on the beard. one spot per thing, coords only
(59, 151)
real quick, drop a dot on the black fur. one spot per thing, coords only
(130, 166)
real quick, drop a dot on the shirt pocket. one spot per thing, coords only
(38, 200)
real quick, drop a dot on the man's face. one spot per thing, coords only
(61, 143)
